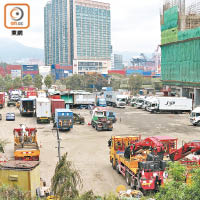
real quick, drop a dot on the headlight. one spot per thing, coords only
(155, 174)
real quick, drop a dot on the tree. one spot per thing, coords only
(8, 82)
(66, 180)
(2, 83)
(48, 81)
(176, 188)
(135, 82)
(7, 192)
(38, 81)
(115, 84)
(17, 82)
(27, 80)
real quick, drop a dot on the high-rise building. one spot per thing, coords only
(78, 33)
(118, 61)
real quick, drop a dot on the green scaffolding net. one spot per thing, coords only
(169, 36)
(188, 34)
(181, 61)
(170, 18)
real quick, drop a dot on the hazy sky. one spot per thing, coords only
(135, 24)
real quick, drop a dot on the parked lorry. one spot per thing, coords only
(25, 144)
(84, 100)
(115, 99)
(27, 107)
(2, 99)
(170, 104)
(195, 116)
(56, 104)
(63, 119)
(141, 161)
(43, 110)
(100, 121)
(140, 101)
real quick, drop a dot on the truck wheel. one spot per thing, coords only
(117, 167)
(127, 177)
(113, 164)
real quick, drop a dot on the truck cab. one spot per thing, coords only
(101, 102)
(100, 121)
(140, 101)
(195, 116)
(120, 101)
(63, 119)
(25, 144)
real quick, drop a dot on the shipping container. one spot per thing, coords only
(68, 98)
(55, 97)
(30, 68)
(57, 104)
(43, 110)
(122, 72)
(84, 99)
(10, 68)
(131, 71)
(147, 73)
(15, 73)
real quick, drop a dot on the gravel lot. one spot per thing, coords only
(88, 149)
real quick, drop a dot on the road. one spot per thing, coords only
(88, 149)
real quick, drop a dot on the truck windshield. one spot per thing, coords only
(121, 99)
(102, 101)
(99, 114)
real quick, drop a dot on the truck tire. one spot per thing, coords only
(128, 178)
(117, 167)
(113, 164)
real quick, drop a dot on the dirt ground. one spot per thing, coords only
(88, 149)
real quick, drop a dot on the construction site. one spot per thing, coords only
(180, 41)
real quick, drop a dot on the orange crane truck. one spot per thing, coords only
(141, 161)
(25, 144)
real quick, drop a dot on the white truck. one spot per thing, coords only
(170, 104)
(195, 116)
(84, 100)
(140, 101)
(115, 99)
(43, 110)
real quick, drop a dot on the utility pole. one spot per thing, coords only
(58, 139)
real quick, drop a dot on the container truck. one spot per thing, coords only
(84, 100)
(43, 110)
(27, 107)
(195, 116)
(2, 99)
(170, 104)
(56, 104)
(115, 99)
(63, 119)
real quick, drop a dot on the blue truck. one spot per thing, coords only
(111, 116)
(63, 119)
